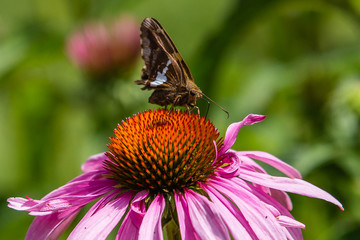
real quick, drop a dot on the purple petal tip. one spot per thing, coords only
(254, 118)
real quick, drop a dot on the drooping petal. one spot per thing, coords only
(275, 207)
(234, 128)
(261, 220)
(51, 226)
(151, 228)
(282, 198)
(186, 229)
(129, 228)
(22, 204)
(290, 222)
(246, 162)
(83, 185)
(272, 161)
(237, 225)
(205, 219)
(103, 216)
(94, 163)
(72, 194)
(55, 205)
(293, 185)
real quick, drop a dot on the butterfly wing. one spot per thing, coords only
(164, 67)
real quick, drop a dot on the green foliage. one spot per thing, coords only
(297, 61)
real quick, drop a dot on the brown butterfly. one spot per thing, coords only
(165, 71)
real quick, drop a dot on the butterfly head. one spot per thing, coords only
(194, 91)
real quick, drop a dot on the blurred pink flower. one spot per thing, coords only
(100, 49)
(165, 163)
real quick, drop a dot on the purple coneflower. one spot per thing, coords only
(171, 167)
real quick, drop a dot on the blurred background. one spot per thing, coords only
(66, 79)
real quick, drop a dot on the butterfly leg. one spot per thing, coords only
(191, 107)
(198, 110)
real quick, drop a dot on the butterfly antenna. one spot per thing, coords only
(228, 115)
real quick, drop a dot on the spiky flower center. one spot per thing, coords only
(163, 151)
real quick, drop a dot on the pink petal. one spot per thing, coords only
(230, 165)
(51, 206)
(73, 194)
(243, 160)
(103, 216)
(272, 161)
(51, 226)
(294, 185)
(292, 233)
(38, 207)
(247, 162)
(204, 217)
(234, 128)
(91, 183)
(261, 220)
(94, 163)
(151, 226)
(22, 204)
(186, 229)
(282, 198)
(235, 223)
(290, 222)
(129, 228)
(216, 152)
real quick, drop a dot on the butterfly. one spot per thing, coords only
(165, 71)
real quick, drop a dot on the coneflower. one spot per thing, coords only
(171, 167)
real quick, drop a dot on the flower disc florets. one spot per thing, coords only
(163, 151)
